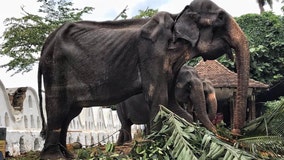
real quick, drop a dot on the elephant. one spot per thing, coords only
(135, 110)
(89, 63)
(196, 95)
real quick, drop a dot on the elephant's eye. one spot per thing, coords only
(220, 19)
(178, 85)
(188, 86)
(221, 16)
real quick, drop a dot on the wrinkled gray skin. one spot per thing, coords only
(190, 90)
(88, 63)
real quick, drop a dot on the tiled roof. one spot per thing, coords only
(221, 76)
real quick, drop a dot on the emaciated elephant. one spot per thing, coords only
(192, 93)
(89, 63)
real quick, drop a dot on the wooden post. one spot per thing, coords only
(253, 109)
(249, 109)
(2, 143)
(232, 108)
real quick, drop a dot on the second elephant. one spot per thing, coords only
(194, 94)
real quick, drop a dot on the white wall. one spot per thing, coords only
(93, 125)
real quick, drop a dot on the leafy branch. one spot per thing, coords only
(179, 139)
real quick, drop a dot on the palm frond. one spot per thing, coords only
(263, 2)
(269, 124)
(178, 134)
(183, 140)
(272, 145)
(265, 134)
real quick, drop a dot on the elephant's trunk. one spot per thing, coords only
(240, 44)
(199, 102)
(211, 104)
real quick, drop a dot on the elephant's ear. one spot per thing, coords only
(160, 24)
(186, 26)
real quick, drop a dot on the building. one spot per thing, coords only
(20, 115)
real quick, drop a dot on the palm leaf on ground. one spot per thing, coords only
(265, 134)
(182, 140)
(271, 123)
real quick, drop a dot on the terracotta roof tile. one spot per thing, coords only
(222, 76)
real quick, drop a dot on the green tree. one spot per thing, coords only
(265, 33)
(146, 13)
(25, 36)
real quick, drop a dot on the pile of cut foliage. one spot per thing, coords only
(178, 139)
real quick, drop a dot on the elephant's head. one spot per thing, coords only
(212, 32)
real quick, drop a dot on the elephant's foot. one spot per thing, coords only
(66, 153)
(119, 141)
(56, 151)
(124, 136)
(52, 152)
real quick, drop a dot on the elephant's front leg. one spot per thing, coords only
(157, 98)
(155, 88)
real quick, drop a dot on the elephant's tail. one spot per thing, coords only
(43, 123)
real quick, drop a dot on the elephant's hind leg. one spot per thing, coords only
(124, 135)
(57, 111)
(74, 111)
(52, 151)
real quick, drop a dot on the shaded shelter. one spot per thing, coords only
(272, 93)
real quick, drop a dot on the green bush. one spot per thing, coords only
(265, 33)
